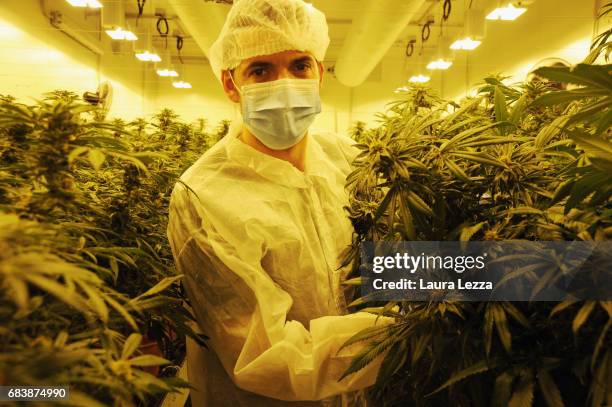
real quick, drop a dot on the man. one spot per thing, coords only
(257, 225)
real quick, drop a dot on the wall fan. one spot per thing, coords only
(102, 98)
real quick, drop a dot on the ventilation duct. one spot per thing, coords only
(203, 20)
(371, 35)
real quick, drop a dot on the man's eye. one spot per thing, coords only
(303, 66)
(258, 72)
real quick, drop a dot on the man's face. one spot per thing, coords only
(266, 68)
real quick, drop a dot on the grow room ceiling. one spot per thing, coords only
(363, 32)
(198, 23)
(38, 56)
(202, 21)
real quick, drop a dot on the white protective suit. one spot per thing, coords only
(259, 247)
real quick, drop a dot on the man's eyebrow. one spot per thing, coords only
(258, 64)
(301, 60)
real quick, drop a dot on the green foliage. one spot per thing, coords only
(222, 129)
(515, 162)
(85, 267)
(359, 131)
(601, 44)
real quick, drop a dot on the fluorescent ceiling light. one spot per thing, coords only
(121, 34)
(167, 72)
(419, 79)
(465, 44)
(85, 3)
(181, 85)
(439, 64)
(8, 31)
(148, 57)
(507, 13)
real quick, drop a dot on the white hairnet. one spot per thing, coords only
(264, 27)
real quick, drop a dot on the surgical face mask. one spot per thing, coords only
(279, 112)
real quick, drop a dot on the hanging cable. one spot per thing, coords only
(140, 4)
(442, 20)
(422, 47)
(426, 31)
(179, 47)
(446, 9)
(410, 48)
(445, 15)
(162, 21)
(166, 30)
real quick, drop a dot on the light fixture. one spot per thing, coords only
(166, 68)
(419, 79)
(466, 44)
(181, 84)
(180, 71)
(85, 3)
(507, 13)
(474, 31)
(401, 89)
(119, 33)
(143, 47)
(439, 64)
(147, 56)
(167, 72)
(443, 57)
(8, 31)
(113, 21)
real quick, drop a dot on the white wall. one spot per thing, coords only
(205, 100)
(36, 58)
(343, 106)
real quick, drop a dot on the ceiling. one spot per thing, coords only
(339, 14)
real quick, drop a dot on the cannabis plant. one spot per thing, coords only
(358, 131)
(86, 274)
(522, 162)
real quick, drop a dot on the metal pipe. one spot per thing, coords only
(150, 16)
(56, 20)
